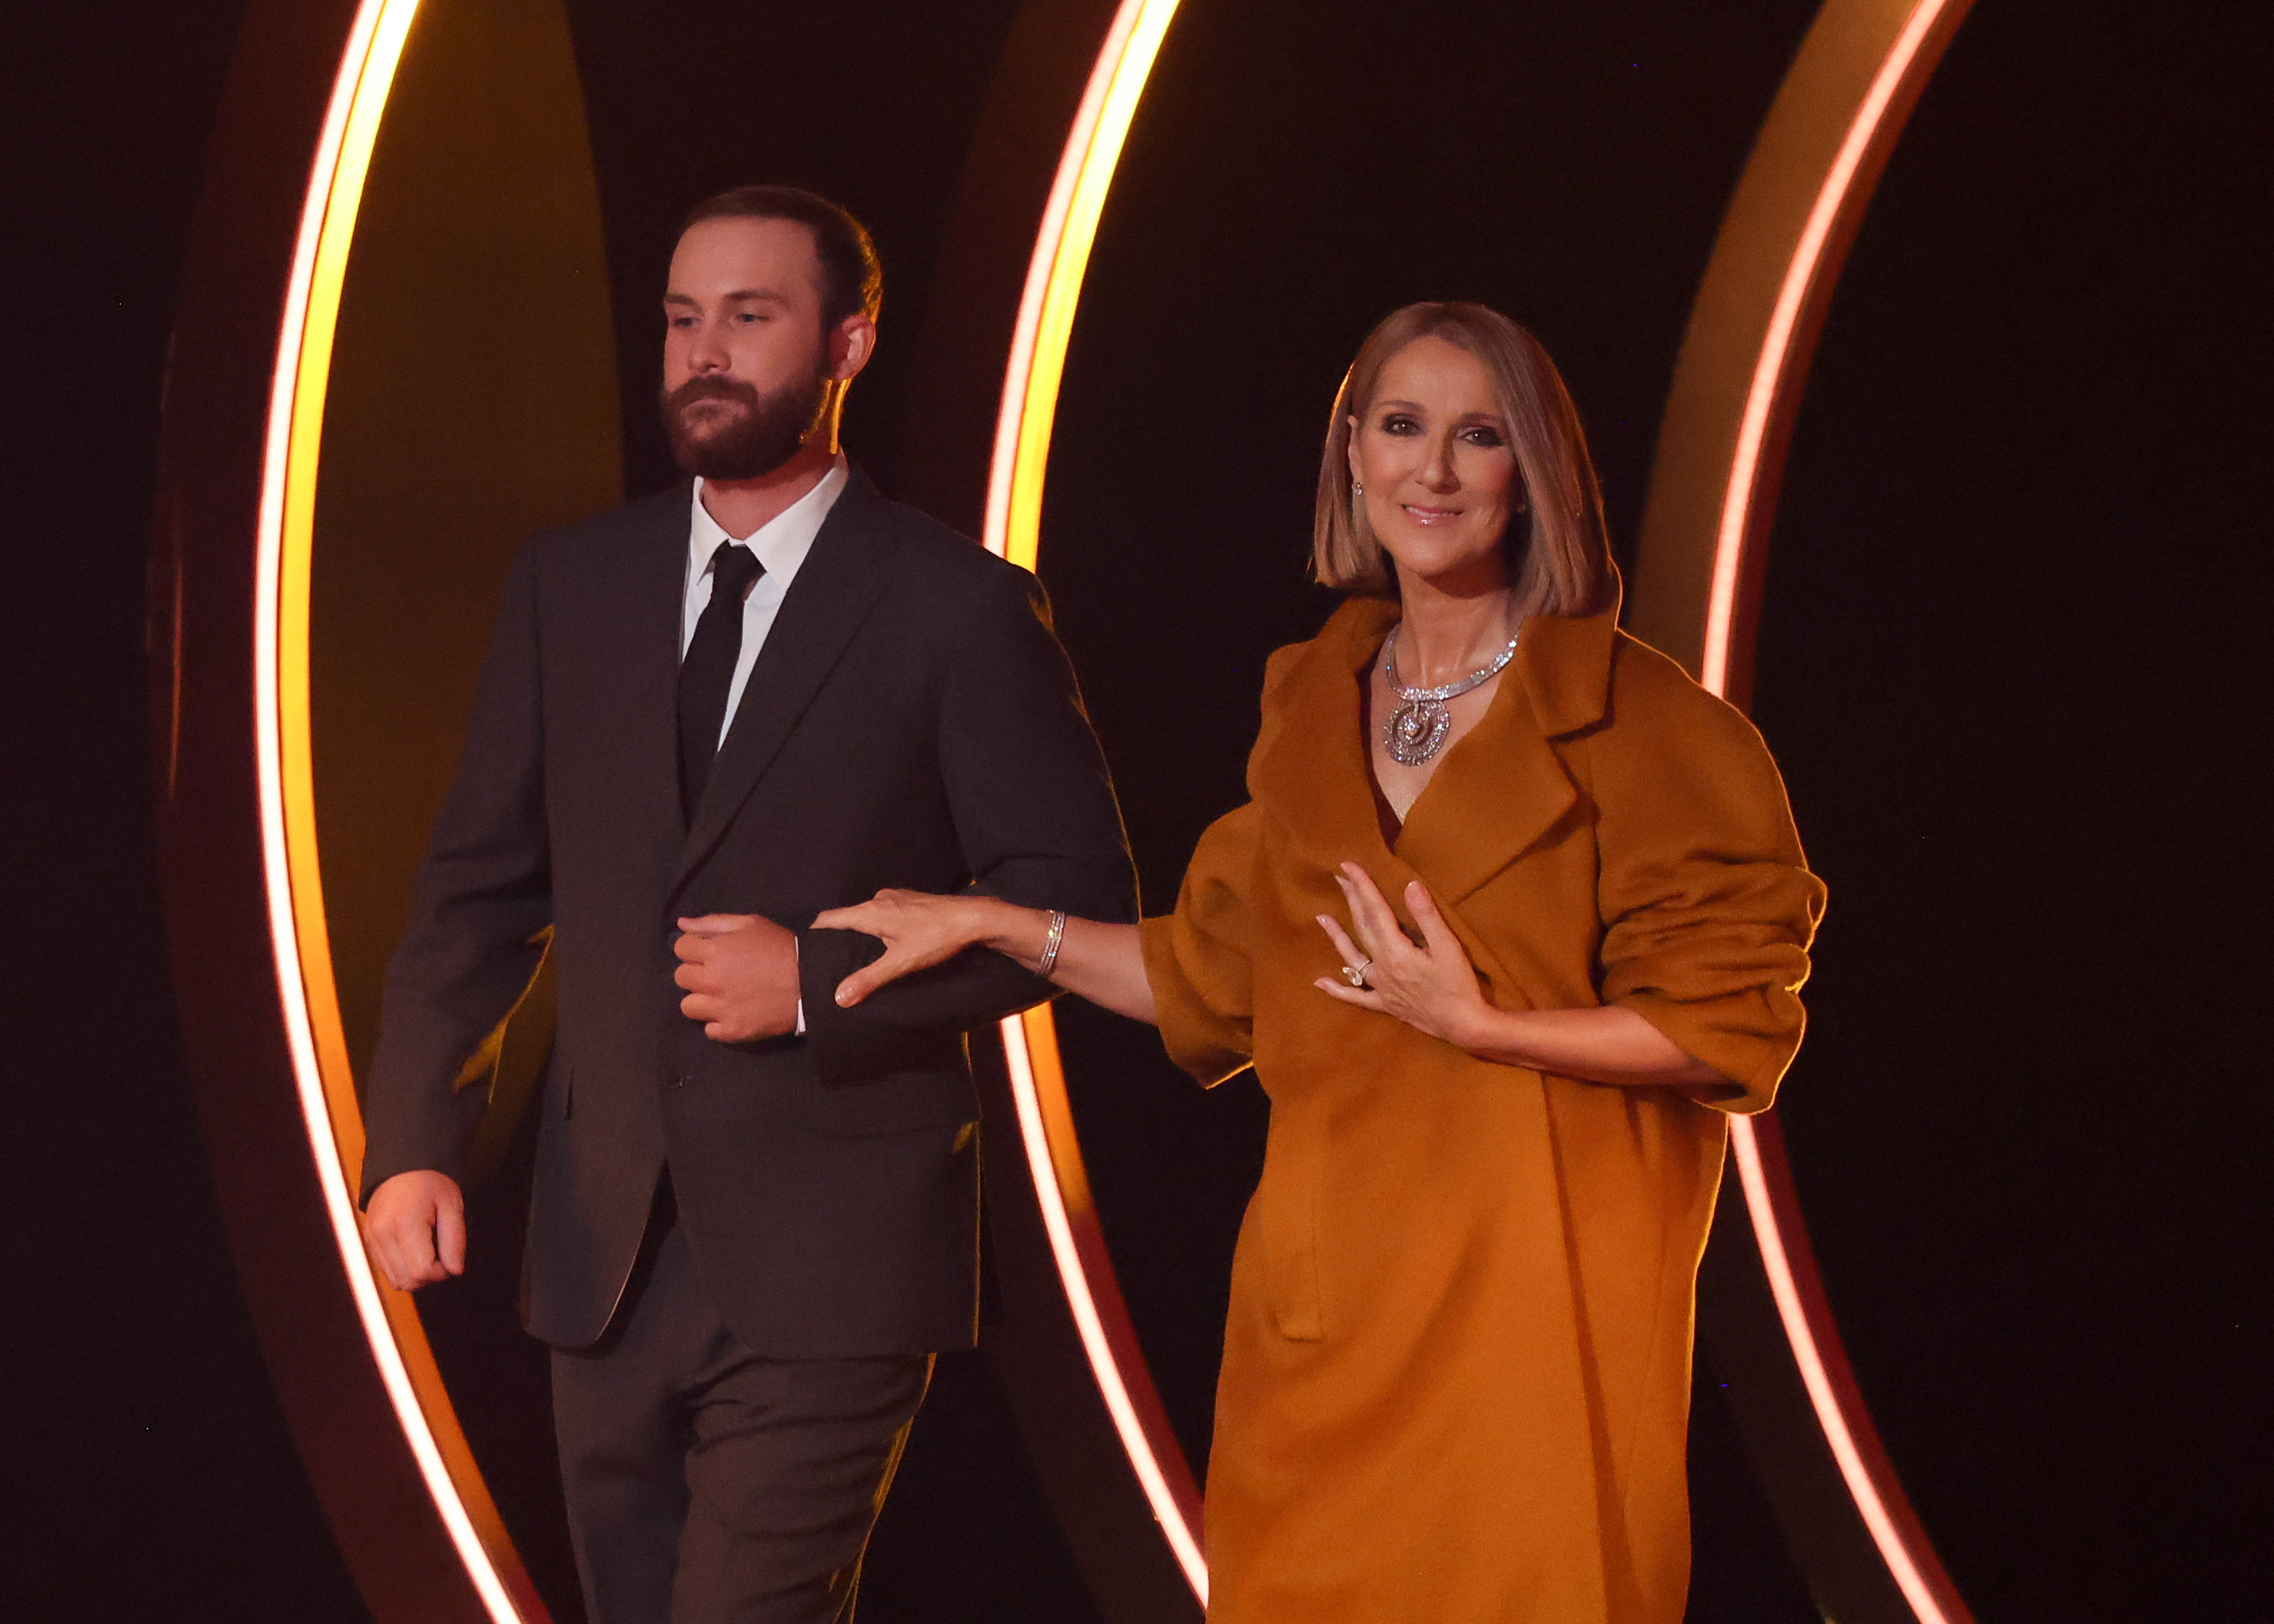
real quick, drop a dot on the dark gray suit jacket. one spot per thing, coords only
(910, 722)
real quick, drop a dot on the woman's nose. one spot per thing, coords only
(1437, 472)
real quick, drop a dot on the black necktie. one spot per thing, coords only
(707, 672)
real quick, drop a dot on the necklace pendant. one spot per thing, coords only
(1416, 731)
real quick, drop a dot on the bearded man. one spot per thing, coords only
(705, 718)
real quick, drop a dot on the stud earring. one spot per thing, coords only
(1357, 489)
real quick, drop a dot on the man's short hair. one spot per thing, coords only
(852, 280)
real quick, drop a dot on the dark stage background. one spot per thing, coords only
(2012, 665)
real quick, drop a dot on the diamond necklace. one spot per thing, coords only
(1416, 730)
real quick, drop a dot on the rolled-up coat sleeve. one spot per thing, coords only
(1706, 902)
(1198, 959)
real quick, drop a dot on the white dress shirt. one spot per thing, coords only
(781, 545)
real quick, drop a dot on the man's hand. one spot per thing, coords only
(415, 1229)
(740, 972)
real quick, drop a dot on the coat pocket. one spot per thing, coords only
(1287, 1200)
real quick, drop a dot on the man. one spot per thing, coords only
(704, 717)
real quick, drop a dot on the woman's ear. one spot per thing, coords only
(1349, 450)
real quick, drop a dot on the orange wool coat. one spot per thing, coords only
(1456, 1370)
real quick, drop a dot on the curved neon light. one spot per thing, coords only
(1014, 501)
(1769, 386)
(1772, 395)
(287, 830)
(321, 1071)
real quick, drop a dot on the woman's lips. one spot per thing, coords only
(1431, 516)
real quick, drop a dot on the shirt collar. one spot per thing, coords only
(782, 542)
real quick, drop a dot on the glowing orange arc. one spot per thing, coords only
(1770, 368)
(1014, 500)
(296, 916)
(1013, 529)
(1771, 396)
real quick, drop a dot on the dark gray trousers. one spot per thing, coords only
(707, 1486)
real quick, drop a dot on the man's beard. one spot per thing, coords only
(763, 435)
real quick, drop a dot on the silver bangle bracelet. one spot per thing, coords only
(1051, 940)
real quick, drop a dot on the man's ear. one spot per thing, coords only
(851, 342)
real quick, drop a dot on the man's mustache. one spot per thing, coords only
(711, 389)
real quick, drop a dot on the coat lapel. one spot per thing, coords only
(1504, 786)
(1498, 790)
(1309, 769)
(836, 587)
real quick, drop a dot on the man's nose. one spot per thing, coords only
(706, 353)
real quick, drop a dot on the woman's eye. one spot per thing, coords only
(1400, 426)
(1490, 438)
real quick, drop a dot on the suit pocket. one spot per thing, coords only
(1288, 1202)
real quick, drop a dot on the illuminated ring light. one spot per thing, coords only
(287, 796)
(1704, 554)
(1837, 115)
(321, 1071)
(1014, 505)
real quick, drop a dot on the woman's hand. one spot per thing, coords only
(918, 930)
(1432, 987)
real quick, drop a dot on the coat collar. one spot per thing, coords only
(1496, 791)
(835, 589)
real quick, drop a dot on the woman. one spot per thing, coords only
(1515, 913)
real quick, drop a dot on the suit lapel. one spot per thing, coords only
(645, 590)
(836, 587)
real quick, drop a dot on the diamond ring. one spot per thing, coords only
(1355, 974)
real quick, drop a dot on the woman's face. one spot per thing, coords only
(1432, 452)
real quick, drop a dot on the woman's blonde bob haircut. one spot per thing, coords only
(1560, 563)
